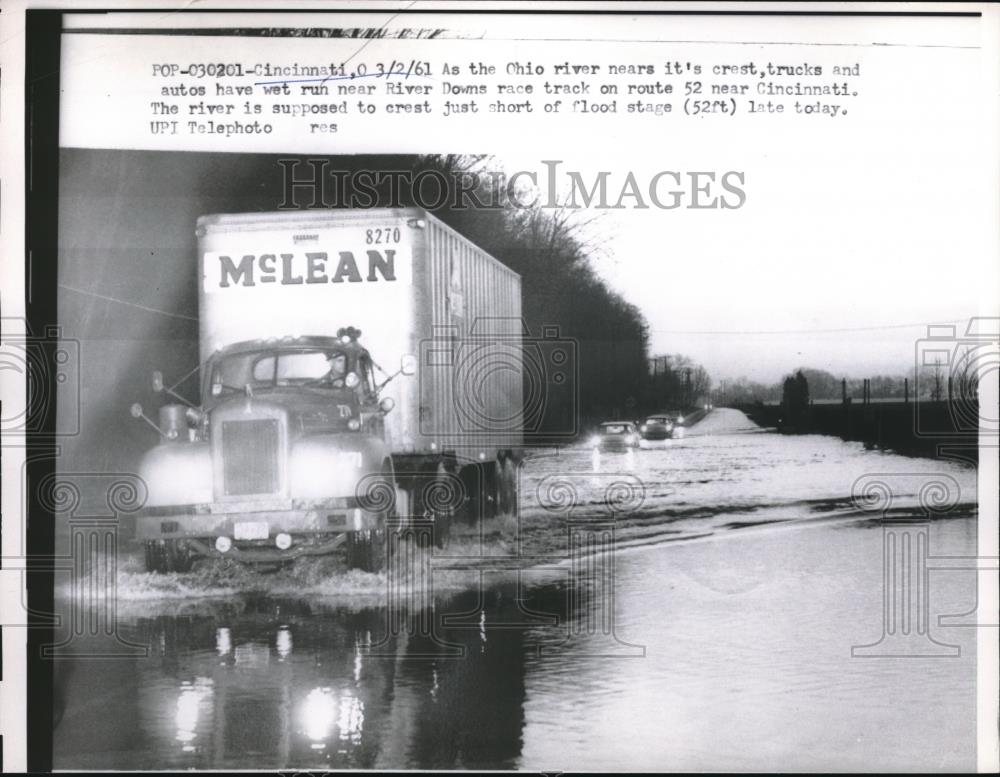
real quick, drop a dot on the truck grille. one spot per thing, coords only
(250, 456)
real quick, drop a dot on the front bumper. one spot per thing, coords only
(617, 445)
(319, 516)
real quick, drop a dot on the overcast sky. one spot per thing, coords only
(865, 223)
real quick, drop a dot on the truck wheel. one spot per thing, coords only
(471, 478)
(366, 550)
(508, 487)
(503, 497)
(492, 478)
(443, 511)
(442, 531)
(480, 482)
(154, 556)
(166, 556)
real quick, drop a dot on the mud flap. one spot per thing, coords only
(369, 549)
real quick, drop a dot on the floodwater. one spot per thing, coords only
(743, 622)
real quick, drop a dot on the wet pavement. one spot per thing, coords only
(727, 630)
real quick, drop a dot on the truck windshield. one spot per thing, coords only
(268, 369)
(285, 369)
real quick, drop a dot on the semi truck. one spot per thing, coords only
(360, 373)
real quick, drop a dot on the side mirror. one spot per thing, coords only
(386, 404)
(408, 364)
(157, 381)
(136, 412)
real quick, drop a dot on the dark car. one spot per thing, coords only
(657, 427)
(615, 435)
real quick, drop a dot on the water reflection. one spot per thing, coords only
(283, 642)
(281, 684)
(223, 645)
(319, 712)
(195, 698)
(284, 684)
(617, 461)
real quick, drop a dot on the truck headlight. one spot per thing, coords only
(347, 459)
(319, 471)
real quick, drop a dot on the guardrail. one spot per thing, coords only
(917, 427)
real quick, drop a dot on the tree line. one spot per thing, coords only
(676, 382)
(552, 250)
(926, 382)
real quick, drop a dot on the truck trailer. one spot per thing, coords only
(360, 373)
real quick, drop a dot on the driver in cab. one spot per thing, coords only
(336, 374)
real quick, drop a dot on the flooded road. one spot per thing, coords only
(741, 623)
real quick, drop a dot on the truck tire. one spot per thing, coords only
(481, 483)
(503, 497)
(492, 478)
(443, 511)
(168, 556)
(366, 550)
(471, 478)
(508, 487)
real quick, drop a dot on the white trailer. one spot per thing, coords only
(344, 355)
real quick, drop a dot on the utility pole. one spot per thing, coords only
(936, 392)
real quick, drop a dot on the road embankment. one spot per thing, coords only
(940, 429)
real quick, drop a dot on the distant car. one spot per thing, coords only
(615, 435)
(657, 427)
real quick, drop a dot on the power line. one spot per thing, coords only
(126, 302)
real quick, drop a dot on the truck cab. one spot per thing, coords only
(284, 456)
